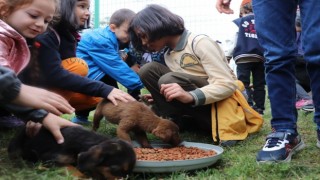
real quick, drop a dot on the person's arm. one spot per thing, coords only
(38, 98)
(10, 85)
(58, 77)
(11, 91)
(50, 65)
(222, 82)
(223, 6)
(51, 122)
(107, 58)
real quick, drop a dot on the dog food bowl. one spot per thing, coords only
(179, 165)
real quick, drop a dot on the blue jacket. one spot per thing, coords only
(247, 43)
(100, 49)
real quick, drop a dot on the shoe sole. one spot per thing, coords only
(308, 110)
(299, 147)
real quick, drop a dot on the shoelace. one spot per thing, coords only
(272, 142)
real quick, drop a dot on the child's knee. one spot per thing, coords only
(171, 77)
(75, 65)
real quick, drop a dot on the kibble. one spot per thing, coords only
(172, 154)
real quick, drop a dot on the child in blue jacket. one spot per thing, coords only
(100, 49)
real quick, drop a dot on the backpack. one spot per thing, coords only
(232, 118)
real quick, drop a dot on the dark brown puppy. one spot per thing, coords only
(94, 155)
(138, 118)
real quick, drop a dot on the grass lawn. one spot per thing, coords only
(237, 162)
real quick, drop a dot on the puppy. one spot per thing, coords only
(94, 155)
(138, 118)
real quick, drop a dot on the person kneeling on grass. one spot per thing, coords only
(197, 80)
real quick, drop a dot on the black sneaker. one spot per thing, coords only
(259, 110)
(279, 147)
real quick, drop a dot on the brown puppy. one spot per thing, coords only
(138, 118)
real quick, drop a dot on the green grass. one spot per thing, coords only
(237, 162)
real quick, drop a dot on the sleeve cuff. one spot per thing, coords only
(10, 85)
(198, 96)
(38, 115)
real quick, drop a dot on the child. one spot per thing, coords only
(22, 19)
(61, 72)
(197, 80)
(100, 49)
(248, 55)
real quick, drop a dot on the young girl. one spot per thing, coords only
(21, 19)
(197, 80)
(61, 71)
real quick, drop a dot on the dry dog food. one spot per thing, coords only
(172, 154)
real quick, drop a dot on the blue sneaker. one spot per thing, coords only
(279, 147)
(80, 120)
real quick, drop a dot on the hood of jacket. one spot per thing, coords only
(14, 51)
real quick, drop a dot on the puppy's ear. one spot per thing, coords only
(155, 131)
(163, 134)
(90, 159)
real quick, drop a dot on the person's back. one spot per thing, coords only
(247, 47)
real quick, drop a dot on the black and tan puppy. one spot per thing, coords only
(94, 155)
(138, 118)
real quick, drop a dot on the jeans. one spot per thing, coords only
(275, 26)
(244, 71)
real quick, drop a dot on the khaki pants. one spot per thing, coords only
(154, 74)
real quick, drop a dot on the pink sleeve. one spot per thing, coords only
(4, 52)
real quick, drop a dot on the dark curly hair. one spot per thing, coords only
(155, 22)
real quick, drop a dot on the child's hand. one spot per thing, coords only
(147, 98)
(32, 128)
(135, 68)
(174, 91)
(42, 99)
(51, 122)
(223, 6)
(117, 94)
(54, 123)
